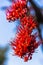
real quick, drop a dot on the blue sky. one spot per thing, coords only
(7, 32)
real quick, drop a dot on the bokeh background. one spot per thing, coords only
(7, 33)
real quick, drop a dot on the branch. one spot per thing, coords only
(39, 16)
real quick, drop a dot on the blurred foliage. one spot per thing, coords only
(2, 54)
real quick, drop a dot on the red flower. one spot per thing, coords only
(24, 44)
(16, 11)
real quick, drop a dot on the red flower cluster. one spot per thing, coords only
(29, 22)
(17, 10)
(24, 44)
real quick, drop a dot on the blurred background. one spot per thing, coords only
(7, 33)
